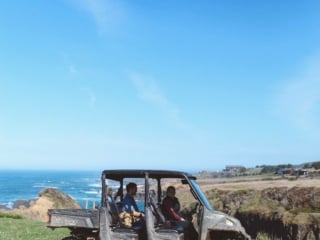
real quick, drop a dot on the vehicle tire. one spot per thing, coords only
(70, 238)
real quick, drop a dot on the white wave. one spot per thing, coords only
(91, 192)
(115, 186)
(43, 186)
(9, 205)
(97, 185)
(89, 199)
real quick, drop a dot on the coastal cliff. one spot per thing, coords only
(280, 212)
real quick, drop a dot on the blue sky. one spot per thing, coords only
(186, 85)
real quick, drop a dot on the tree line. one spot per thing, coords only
(274, 168)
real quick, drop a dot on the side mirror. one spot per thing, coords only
(184, 181)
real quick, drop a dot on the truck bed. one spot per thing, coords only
(79, 218)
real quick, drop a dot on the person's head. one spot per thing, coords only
(171, 191)
(131, 188)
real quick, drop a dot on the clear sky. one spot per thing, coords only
(185, 85)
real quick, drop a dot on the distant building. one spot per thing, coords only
(283, 171)
(291, 171)
(233, 169)
(299, 172)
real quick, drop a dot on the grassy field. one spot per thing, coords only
(15, 227)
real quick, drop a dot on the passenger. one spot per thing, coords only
(171, 207)
(171, 211)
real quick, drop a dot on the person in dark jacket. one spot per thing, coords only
(171, 211)
(171, 206)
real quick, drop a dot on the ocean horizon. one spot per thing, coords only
(83, 186)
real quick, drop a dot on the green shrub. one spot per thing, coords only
(263, 236)
(10, 215)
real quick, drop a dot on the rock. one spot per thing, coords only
(59, 199)
(3, 207)
(48, 198)
(22, 203)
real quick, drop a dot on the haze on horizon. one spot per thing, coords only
(100, 84)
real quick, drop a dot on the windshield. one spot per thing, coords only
(201, 195)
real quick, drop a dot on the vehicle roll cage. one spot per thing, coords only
(120, 175)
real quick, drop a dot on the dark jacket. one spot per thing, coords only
(171, 208)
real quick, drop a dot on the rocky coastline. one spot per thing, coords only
(18, 204)
(36, 209)
(280, 212)
(285, 211)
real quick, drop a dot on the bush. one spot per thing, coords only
(316, 165)
(262, 236)
(10, 215)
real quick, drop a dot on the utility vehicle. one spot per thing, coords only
(103, 222)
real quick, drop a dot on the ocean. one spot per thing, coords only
(82, 186)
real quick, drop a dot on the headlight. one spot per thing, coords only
(229, 223)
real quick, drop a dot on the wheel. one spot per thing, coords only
(70, 238)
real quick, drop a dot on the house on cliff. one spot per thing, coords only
(233, 170)
(292, 172)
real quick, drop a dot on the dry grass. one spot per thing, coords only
(293, 200)
(256, 182)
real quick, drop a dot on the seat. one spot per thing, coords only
(114, 210)
(157, 212)
(162, 225)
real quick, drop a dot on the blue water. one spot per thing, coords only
(82, 186)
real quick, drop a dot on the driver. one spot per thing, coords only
(129, 204)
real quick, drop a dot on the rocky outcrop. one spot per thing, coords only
(59, 199)
(49, 198)
(282, 213)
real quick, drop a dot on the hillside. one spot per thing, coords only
(284, 208)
